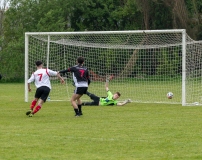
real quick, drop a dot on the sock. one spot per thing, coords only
(79, 106)
(76, 111)
(36, 109)
(33, 104)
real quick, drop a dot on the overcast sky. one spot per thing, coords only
(3, 2)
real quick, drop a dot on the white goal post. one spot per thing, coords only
(146, 64)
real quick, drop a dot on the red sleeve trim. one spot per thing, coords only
(47, 72)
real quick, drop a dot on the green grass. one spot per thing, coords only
(138, 91)
(132, 132)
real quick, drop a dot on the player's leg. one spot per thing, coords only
(79, 91)
(95, 99)
(43, 93)
(79, 104)
(93, 103)
(37, 95)
(38, 107)
(92, 96)
(74, 98)
(32, 106)
(34, 103)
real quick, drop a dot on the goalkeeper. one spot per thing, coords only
(105, 101)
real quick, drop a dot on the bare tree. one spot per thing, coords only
(181, 18)
(145, 7)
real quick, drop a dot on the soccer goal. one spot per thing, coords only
(145, 64)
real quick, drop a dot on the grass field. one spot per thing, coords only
(132, 132)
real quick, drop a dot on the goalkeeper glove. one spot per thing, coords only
(108, 78)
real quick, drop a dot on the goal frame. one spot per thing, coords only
(182, 31)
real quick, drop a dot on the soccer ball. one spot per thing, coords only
(170, 95)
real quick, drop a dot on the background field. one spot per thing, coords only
(132, 132)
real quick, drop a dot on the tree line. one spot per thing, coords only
(20, 16)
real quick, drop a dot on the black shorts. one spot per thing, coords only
(80, 90)
(42, 92)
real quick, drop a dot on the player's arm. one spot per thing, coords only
(64, 71)
(88, 77)
(89, 81)
(54, 73)
(61, 79)
(106, 85)
(31, 79)
(108, 78)
(29, 88)
(124, 102)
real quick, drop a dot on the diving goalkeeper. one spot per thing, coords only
(111, 99)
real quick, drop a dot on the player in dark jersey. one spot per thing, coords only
(81, 81)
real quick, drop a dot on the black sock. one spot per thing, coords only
(76, 111)
(79, 106)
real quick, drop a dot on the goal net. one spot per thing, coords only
(145, 65)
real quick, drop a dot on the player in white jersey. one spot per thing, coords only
(41, 78)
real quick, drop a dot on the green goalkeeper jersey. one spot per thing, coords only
(108, 100)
